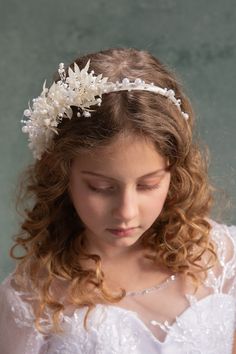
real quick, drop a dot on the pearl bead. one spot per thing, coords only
(186, 115)
(125, 81)
(138, 82)
(171, 93)
(86, 114)
(27, 113)
(154, 323)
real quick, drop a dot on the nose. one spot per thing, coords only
(126, 206)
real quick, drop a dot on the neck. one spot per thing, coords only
(114, 254)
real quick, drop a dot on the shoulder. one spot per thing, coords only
(222, 277)
(13, 302)
(224, 237)
(17, 331)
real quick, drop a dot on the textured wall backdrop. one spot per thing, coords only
(195, 38)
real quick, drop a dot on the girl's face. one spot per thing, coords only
(120, 186)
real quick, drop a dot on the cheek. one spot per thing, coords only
(88, 206)
(156, 203)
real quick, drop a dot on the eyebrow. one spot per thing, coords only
(100, 175)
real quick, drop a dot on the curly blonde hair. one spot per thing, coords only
(51, 225)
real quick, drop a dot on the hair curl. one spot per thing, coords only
(51, 224)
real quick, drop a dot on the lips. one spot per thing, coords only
(121, 229)
(122, 232)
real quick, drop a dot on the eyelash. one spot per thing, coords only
(97, 190)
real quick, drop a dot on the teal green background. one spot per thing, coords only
(195, 38)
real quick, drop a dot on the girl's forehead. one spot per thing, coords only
(124, 145)
(130, 156)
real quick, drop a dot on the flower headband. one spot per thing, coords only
(81, 89)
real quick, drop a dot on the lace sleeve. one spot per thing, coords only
(230, 265)
(17, 332)
(232, 231)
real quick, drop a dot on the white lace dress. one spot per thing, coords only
(164, 322)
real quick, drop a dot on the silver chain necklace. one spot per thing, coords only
(153, 288)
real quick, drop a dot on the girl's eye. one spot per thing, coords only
(110, 190)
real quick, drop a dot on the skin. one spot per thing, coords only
(122, 201)
(234, 347)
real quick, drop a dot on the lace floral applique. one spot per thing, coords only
(228, 267)
(212, 315)
(103, 332)
(197, 330)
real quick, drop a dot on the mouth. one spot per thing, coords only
(122, 229)
(122, 232)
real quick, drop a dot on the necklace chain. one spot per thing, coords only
(153, 288)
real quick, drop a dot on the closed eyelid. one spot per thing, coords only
(108, 183)
(110, 189)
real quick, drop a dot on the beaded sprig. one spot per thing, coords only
(80, 89)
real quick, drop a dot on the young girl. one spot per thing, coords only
(120, 253)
